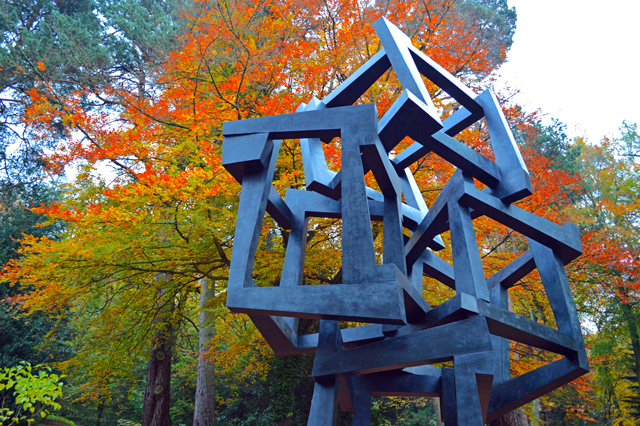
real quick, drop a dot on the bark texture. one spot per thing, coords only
(205, 404)
(513, 418)
(157, 393)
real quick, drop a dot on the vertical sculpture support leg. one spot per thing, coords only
(468, 410)
(358, 254)
(448, 405)
(253, 204)
(393, 244)
(324, 405)
(472, 387)
(362, 404)
(467, 263)
(501, 348)
(292, 270)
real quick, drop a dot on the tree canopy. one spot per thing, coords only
(120, 257)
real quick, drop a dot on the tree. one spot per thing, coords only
(70, 45)
(609, 210)
(138, 241)
(79, 50)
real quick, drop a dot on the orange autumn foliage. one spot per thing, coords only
(147, 232)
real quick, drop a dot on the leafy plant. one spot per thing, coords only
(27, 396)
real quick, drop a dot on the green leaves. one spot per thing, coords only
(25, 396)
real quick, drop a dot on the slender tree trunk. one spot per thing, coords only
(436, 409)
(205, 405)
(633, 334)
(513, 418)
(632, 324)
(157, 393)
(100, 411)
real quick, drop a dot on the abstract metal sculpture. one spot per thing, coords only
(393, 355)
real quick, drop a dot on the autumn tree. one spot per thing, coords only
(609, 211)
(78, 50)
(141, 241)
(598, 196)
(70, 45)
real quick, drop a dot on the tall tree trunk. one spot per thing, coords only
(157, 393)
(512, 418)
(632, 324)
(436, 409)
(205, 405)
(633, 335)
(100, 410)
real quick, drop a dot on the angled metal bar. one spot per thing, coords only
(509, 276)
(416, 275)
(357, 84)
(434, 267)
(412, 193)
(351, 337)
(467, 264)
(501, 323)
(405, 382)
(564, 240)
(514, 176)
(325, 123)
(556, 285)
(389, 182)
(396, 44)
(452, 125)
(377, 160)
(423, 347)
(501, 346)
(293, 266)
(445, 80)
(278, 209)
(317, 174)
(378, 302)
(519, 329)
(434, 223)
(253, 203)
(393, 244)
(407, 115)
(471, 162)
(278, 334)
(358, 253)
(520, 390)
(246, 154)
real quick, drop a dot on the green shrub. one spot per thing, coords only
(27, 396)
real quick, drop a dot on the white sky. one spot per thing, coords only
(578, 61)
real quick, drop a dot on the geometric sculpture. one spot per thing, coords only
(394, 354)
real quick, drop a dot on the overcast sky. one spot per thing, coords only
(578, 61)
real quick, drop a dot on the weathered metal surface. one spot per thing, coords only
(392, 355)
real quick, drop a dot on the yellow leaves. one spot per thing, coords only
(238, 347)
(163, 217)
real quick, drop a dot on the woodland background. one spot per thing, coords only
(116, 217)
